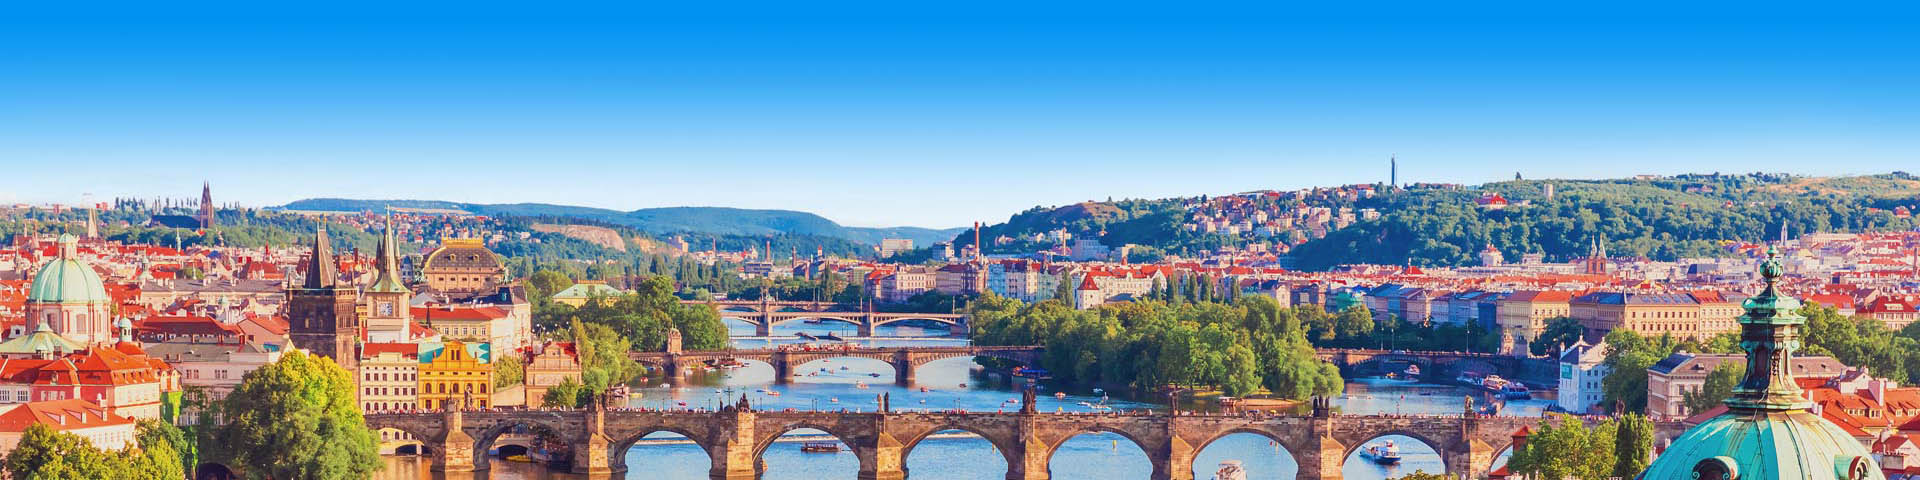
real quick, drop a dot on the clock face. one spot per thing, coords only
(386, 309)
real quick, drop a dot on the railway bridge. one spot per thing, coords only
(905, 360)
(763, 315)
(735, 437)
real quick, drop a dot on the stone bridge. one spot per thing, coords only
(1435, 364)
(905, 360)
(763, 315)
(735, 437)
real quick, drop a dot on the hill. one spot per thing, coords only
(658, 221)
(1661, 218)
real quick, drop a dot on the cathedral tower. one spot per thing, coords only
(321, 312)
(206, 206)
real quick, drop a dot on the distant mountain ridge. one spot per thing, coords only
(661, 221)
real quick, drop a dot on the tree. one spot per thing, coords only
(1564, 447)
(44, 454)
(1559, 331)
(296, 418)
(1719, 385)
(564, 394)
(508, 371)
(544, 283)
(162, 441)
(1633, 445)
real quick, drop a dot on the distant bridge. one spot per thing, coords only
(905, 360)
(763, 315)
(735, 438)
(1434, 363)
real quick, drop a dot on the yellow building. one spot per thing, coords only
(556, 363)
(456, 372)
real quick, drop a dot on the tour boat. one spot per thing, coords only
(820, 447)
(1413, 370)
(1384, 454)
(1230, 470)
(1493, 383)
(1516, 391)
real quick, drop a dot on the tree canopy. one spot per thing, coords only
(295, 418)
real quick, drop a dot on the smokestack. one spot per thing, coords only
(977, 248)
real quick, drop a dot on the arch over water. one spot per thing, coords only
(663, 453)
(1262, 454)
(1417, 453)
(954, 450)
(845, 463)
(483, 443)
(1103, 447)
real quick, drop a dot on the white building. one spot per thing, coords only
(1581, 369)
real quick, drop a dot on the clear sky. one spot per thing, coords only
(879, 115)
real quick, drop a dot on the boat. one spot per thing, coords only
(1413, 371)
(874, 375)
(1516, 391)
(923, 389)
(1230, 470)
(1099, 391)
(831, 337)
(860, 385)
(1384, 454)
(1061, 395)
(820, 447)
(815, 321)
(773, 393)
(1468, 379)
(518, 458)
(843, 368)
(1493, 383)
(807, 336)
(833, 400)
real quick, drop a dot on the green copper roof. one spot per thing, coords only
(67, 281)
(1793, 444)
(1768, 432)
(41, 340)
(388, 265)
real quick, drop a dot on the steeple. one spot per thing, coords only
(388, 264)
(320, 267)
(1770, 333)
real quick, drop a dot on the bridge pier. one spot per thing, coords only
(765, 327)
(733, 455)
(454, 451)
(902, 368)
(1176, 462)
(782, 368)
(592, 454)
(866, 325)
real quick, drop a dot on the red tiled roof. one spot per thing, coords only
(59, 415)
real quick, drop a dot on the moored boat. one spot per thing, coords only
(820, 447)
(1230, 470)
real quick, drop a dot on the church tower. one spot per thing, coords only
(206, 206)
(388, 298)
(321, 312)
(1596, 263)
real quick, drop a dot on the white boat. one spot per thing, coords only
(1384, 454)
(1230, 470)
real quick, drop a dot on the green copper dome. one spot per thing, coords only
(67, 281)
(1768, 432)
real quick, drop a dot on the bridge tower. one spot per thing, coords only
(454, 451)
(733, 457)
(592, 453)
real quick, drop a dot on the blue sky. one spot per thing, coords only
(931, 116)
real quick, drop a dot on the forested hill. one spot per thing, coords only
(671, 220)
(1661, 218)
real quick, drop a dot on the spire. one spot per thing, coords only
(388, 264)
(1770, 333)
(320, 267)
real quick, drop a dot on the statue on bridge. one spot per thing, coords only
(1027, 400)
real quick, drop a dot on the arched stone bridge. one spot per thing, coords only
(1505, 365)
(735, 437)
(905, 360)
(763, 315)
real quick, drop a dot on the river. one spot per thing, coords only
(835, 384)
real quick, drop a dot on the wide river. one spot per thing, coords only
(835, 384)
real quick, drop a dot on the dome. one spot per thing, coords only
(1772, 445)
(1769, 431)
(67, 281)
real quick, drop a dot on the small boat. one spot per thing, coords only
(1384, 454)
(923, 389)
(1516, 391)
(831, 337)
(519, 458)
(1230, 470)
(843, 368)
(806, 336)
(1098, 391)
(833, 400)
(773, 393)
(820, 447)
(963, 385)
(874, 375)
(1061, 395)
(860, 385)
(814, 321)
(1412, 371)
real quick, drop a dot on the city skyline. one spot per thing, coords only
(892, 117)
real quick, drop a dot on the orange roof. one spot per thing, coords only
(59, 415)
(459, 313)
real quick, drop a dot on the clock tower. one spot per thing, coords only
(387, 299)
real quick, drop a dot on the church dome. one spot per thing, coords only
(66, 280)
(1769, 431)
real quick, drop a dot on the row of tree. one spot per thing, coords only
(1238, 348)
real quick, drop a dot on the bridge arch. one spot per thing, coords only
(815, 316)
(863, 459)
(943, 321)
(483, 439)
(1284, 441)
(999, 444)
(1145, 448)
(1439, 447)
(617, 454)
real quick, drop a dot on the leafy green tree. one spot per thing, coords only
(1633, 445)
(508, 370)
(544, 283)
(159, 440)
(296, 418)
(1559, 331)
(564, 394)
(44, 454)
(1564, 447)
(1719, 385)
